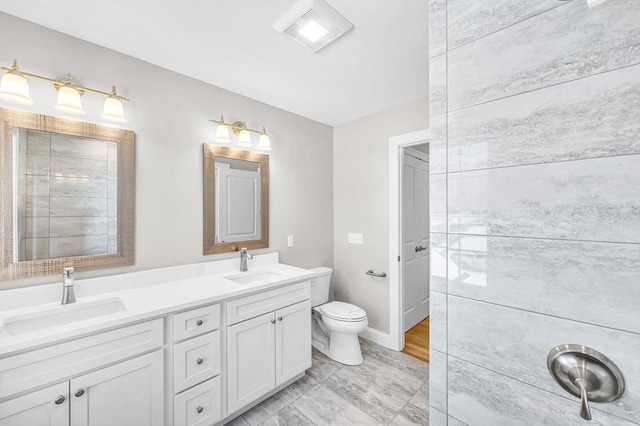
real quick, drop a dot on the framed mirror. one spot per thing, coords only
(67, 195)
(236, 199)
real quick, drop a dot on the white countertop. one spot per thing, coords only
(143, 301)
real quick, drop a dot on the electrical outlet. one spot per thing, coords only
(289, 240)
(355, 238)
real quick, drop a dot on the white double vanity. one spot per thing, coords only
(189, 345)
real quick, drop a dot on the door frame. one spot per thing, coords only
(396, 143)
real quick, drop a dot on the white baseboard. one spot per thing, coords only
(378, 337)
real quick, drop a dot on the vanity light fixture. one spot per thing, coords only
(15, 88)
(241, 130)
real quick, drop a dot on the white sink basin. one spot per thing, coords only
(255, 277)
(61, 315)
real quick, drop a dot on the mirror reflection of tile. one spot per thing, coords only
(66, 195)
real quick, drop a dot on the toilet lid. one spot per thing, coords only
(343, 311)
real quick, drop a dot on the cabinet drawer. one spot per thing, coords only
(196, 322)
(200, 405)
(57, 362)
(257, 304)
(196, 360)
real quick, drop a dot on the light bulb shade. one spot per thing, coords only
(113, 110)
(15, 88)
(69, 100)
(244, 139)
(222, 134)
(264, 142)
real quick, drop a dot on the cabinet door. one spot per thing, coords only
(293, 341)
(125, 394)
(251, 365)
(46, 407)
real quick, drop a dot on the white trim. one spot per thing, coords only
(378, 337)
(417, 154)
(396, 335)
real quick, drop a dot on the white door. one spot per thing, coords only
(125, 394)
(250, 360)
(46, 407)
(293, 341)
(415, 238)
(238, 204)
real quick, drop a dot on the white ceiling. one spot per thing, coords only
(381, 64)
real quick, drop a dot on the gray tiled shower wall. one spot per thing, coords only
(67, 196)
(535, 204)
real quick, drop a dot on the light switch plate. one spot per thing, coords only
(355, 238)
(289, 240)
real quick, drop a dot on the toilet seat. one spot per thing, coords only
(341, 311)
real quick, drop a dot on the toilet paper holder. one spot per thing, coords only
(585, 373)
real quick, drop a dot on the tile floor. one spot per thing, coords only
(389, 388)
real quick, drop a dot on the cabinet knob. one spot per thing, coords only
(279, 318)
(199, 323)
(60, 399)
(79, 393)
(199, 361)
(273, 321)
(199, 409)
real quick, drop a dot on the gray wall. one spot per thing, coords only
(361, 205)
(535, 136)
(169, 114)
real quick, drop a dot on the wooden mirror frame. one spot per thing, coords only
(11, 270)
(210, 152)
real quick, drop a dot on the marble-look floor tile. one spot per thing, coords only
(438, 203)
(438, 85)
(452, 421)
(365, 344)
(506, 339)
(288, 416)
(366, 388)
(324, 407)
(411, 415)
(593, 200)
(437, 417)
(438, 380)
(78, 187)
(438, 259)
(70, 146)
(562, 44)
(299, 387)
(438, 144)
(38, 142)
(437, 27)
(400, 364)
(265, 409)
(438, 321)
(470, 20)
(78, 168)
(238, 421)
(481, 397)
(70, 206)
(587, 118)
(421, 398)
(552, 277)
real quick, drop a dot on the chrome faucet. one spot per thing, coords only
(243, 259)
(68, 295)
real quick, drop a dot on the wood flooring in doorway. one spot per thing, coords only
(416, 341)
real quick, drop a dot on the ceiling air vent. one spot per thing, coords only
(313, 23)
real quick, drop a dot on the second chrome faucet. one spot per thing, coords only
(244, 255)
(68, 295)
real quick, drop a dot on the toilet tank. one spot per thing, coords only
(320, 285)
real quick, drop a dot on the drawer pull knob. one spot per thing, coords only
(199, 361)
(279, 318)
(79, 393)
(199, 409)
(273, 321)
(60, 399)
(199, 323)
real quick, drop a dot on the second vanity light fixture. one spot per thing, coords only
(15, 88)
(243, 133)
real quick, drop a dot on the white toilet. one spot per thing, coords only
(336, 324)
